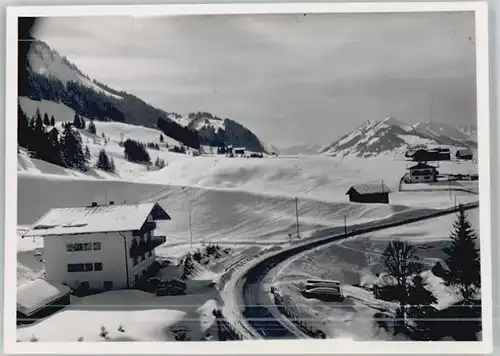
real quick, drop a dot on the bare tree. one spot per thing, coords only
(401, 262)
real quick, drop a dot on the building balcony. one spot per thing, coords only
(144, 246)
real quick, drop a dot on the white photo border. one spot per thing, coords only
(480, 8)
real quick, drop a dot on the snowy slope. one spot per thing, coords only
(115, 132)
(393, 138)
(45, 61)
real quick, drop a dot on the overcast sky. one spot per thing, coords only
(289, 78)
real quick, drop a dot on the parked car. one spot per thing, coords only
(311, 283)
(324, 293)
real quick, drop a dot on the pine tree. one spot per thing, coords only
(104, 162)
(463, 259)
(82, 121)
(91, 128)
(46, 120)
(422, 311)
(52, 121)
(88, 156)
(38, 116)
(77, 122)
(161, 138)
(72, 151)
(24, 131)
(112, 164)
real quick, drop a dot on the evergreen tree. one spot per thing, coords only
(77, 121)
(463, 259)
(161, 138)
(46, 120)
(421, 310)
(72, 151)
(38, 116)
(24, 131)
(88, 156)
(112, 164)
(52, 121)
(92, 129)
(104, 162)
(136, 152)
(82, 121)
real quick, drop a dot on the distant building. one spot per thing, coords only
(239, 151)
(421, 173)
(464, 154)
(99, 247)
(369, 193)
(40, 298)
(426, 155)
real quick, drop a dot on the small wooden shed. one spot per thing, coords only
(369, 193)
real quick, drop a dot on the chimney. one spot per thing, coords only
(111, 202)
(94, 203)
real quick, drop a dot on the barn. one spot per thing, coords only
(436, 154)
(369, 193)
(39, 299)
(464, 154)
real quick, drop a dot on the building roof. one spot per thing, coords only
(371, 188)
(464, 152)
(101, 218)
(239, 148)
(36, 294)
(421, 165)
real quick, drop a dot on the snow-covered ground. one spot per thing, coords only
(355, 262)
(244, 205)
(142, 316)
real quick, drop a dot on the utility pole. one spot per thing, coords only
(297, 216)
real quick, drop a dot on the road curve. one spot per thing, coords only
(257, 304)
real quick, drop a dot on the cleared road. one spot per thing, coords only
(258, 308)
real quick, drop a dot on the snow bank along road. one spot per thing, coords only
(257, 307)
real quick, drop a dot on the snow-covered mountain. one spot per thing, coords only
(48, 62)
(392, 137)
(307, 149)
(49, 76)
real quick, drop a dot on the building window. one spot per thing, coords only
(97, 246)
(79, 247)
(89, 267)
(83, 267)
(98, 266)
(76, 267)
(108, 285)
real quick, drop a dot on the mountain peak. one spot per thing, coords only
(392, 137)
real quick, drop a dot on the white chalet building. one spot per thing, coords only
(99, 247)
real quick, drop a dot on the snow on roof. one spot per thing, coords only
(421, 165)
(36, 294)
(101, 218)
(370, 188)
